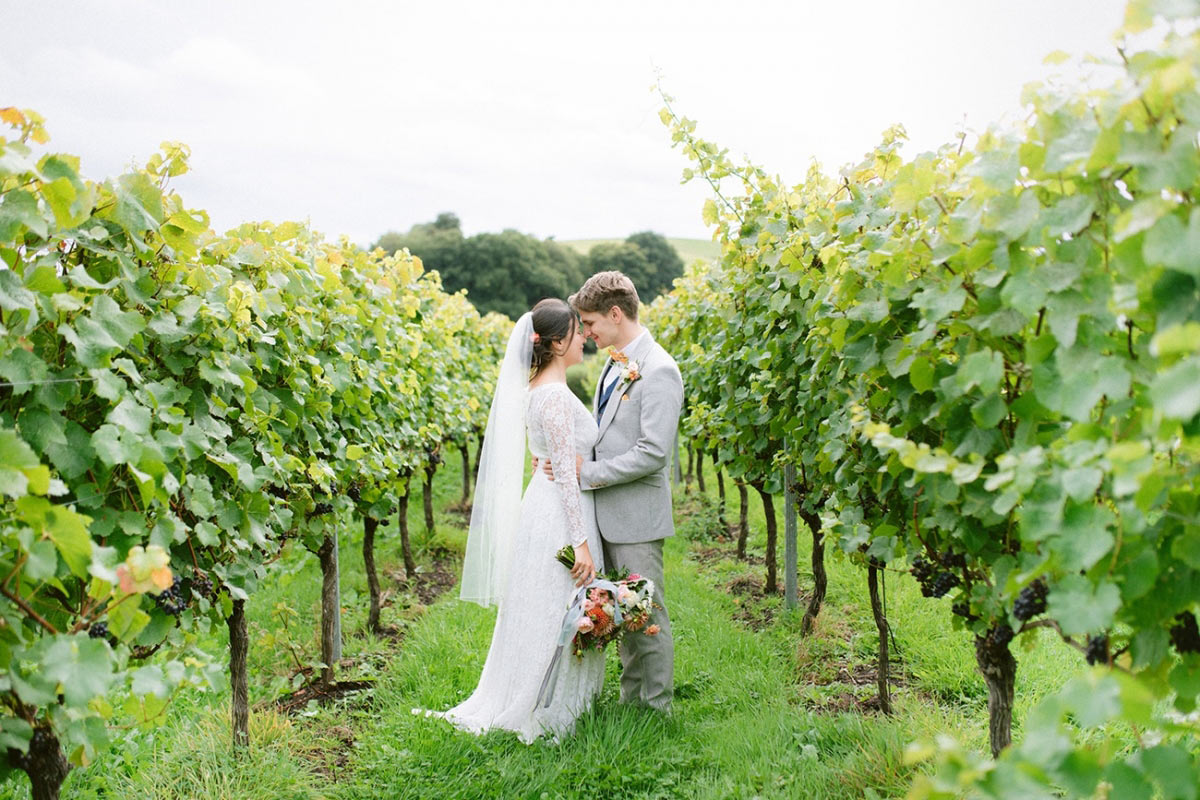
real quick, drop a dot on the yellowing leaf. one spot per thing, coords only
(12, 116)
(145, 569)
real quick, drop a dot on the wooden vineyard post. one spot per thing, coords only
(874, 570)
(331, 622)
(337, 601)
(791, 591)
(239, 686)
(370, 525)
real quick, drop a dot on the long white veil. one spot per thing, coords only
(497, 506)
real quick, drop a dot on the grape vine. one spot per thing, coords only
(177, 407)
(983, 362)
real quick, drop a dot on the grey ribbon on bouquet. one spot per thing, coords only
(570, 619)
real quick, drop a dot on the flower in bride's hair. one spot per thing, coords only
(535, 337)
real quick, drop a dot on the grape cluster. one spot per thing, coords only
(963, 609)
(1184, 633)
(277, 491)
(171, 600)
(952, 560)
(1031, 601)
(321, 509)
(99, 630)
(354, 492)
(1097, 650)
(934, 582)
(201, 584)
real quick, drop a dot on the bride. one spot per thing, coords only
(513, 539)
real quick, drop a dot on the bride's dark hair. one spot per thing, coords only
(553, 321)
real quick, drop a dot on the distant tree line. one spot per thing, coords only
(510, 271)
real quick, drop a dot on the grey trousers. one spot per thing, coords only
(647, 662)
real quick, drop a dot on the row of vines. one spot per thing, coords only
(179, 411)
(982, 365)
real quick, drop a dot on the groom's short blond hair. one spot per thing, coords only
(605, 290)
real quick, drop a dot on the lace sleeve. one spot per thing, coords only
(558, 420)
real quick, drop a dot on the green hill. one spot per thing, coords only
(689, 249)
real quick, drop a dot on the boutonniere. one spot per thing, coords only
(629, 372)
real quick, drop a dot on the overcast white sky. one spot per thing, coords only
(370, 116)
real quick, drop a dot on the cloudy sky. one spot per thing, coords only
(370, 116)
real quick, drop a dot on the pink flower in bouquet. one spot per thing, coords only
(598, 595)
(652, 630)
(585, 624)
(634, 577)
(625, 596)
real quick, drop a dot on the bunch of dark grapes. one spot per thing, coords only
(934, 582)
(171, 600)
(1184, 633)
(201, 584)
(1031, 601)
(99, 630)
(963, 609)
(922, 570)
(277, 491)
(952, 560)
(1097, 650)
(942, 584)
(354, 492)
(321, 509)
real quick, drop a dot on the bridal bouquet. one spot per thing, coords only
(609, 607)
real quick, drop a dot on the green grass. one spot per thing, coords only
(760, 710)
(689, 249)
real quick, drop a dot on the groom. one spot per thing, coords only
(637, 406)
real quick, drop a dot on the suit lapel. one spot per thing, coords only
(614, 400)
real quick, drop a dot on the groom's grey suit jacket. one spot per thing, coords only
(629, 474)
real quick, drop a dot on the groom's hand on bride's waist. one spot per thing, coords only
(549, 470)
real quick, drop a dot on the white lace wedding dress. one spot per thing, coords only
(553, 514)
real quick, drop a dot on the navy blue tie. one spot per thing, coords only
(606, 393)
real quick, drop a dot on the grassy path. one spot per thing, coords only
(737, 730)
(760, 711)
